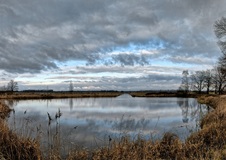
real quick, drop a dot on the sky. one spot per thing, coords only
(106, 44)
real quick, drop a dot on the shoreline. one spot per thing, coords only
(90, 94)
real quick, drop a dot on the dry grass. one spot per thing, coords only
(52, 95)
(13, 147)
(163, 94)
(198, 146)
(85, 94)
(4, 110)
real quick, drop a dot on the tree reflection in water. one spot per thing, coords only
(193, 110)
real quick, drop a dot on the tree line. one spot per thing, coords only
(204, 81)
(212, 79)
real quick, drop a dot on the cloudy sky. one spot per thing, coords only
(106, 44)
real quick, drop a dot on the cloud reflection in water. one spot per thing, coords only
(89, 121)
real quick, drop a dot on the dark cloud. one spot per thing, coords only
(127, 59)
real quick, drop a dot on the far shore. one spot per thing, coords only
(95, 94)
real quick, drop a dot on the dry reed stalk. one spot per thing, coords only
(4, 110)
(11, 145)
(14, 147)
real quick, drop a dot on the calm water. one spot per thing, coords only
(90, 121)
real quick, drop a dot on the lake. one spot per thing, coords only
(89, 122)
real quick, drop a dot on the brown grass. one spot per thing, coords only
(4, 110)
(12, 146)
(52, 95)
(85, 94)
(170, 147)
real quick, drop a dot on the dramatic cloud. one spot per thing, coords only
(45, 36)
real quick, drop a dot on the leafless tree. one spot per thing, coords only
(12, 86)
(198, 80)
(220, 32)
(185, 82)
(220, 70)
(208, 80)
(219, 79)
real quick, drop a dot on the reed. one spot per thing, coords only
(4, 110)
(13, 146)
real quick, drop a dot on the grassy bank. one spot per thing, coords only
(87, 94)
(13, 146)
(208, 143)
(55, 95)
(163, 94)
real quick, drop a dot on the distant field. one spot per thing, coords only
(52, 95)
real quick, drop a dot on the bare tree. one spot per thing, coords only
(198, 80)
(220, 32)
(12, 86)
(208, 80)
(185, 82)
(220, 70)
(219, 79)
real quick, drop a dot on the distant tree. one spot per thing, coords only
(71, 87)
(185, 82)
(198, 80)
(208, 80)
(12, 86)
(219, 79)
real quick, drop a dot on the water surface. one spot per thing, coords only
(90, 121)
